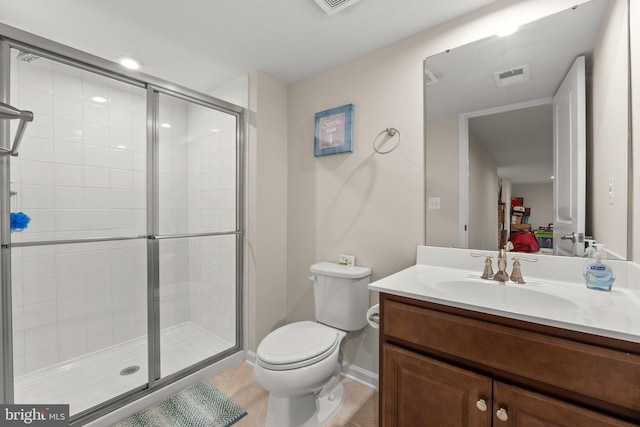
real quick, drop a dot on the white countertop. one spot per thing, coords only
(543, 299)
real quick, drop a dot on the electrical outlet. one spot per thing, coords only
(348, 260)
(434, 202)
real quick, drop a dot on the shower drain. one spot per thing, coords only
(130, 370)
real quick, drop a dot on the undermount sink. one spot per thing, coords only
(513, 296)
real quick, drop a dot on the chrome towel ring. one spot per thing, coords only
(390, 132)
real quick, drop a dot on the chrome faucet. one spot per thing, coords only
(502, 275)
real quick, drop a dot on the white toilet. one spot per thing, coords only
(299, 363)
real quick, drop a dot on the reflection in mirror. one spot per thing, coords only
(529, 132)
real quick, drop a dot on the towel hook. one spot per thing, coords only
(391, 132)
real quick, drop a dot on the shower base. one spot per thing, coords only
(95, 378)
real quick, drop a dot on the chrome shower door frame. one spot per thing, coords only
(154, 235)
(6, 323)
(13, 38)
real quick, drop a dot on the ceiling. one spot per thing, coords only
(202, 44)
(530, 159)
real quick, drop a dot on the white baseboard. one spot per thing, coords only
(360, 375)
(167, 391)
(250, 357)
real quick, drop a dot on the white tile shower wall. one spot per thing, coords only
(173, 166)
(197, 194)
(212, 285)
(174, 253)
(80, 173)
(212, 208)
(237, 92)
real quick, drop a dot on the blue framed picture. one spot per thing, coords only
(334, 131)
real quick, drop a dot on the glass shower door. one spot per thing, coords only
(128, 276)
(79, 284)
(196, 232)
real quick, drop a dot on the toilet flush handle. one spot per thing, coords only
(312, 278)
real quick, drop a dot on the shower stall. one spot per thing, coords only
(128, 275)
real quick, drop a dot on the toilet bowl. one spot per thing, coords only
(296, 364)
(299, 363)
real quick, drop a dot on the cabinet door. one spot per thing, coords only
(419, 391)
(521, 408)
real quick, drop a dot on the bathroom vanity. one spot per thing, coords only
(456, 350)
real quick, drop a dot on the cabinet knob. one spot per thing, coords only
(481, 405)
(502, 414)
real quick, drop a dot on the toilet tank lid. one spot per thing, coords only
(336, 270)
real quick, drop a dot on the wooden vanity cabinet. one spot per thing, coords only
(422, 391)
(443, 366)
(523, 408)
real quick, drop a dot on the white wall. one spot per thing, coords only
(267, 207)
(441, 167)
(483, 199)
(361, 203)
(538, 197)
(610, 137)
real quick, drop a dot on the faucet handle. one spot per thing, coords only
(488, 268)
(516, 275)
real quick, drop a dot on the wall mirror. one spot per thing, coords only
(493, 110)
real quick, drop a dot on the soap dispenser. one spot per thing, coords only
(598, 274)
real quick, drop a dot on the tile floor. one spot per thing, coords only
(359, 409)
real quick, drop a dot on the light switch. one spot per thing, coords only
(611, 202)
(434, 202)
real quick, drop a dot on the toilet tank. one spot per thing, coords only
(341, 295)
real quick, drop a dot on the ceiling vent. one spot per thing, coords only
(429, 77)
(512, 76)
(333, 6)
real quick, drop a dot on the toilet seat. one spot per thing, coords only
(297, 345)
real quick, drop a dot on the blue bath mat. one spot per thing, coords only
(201, 405)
